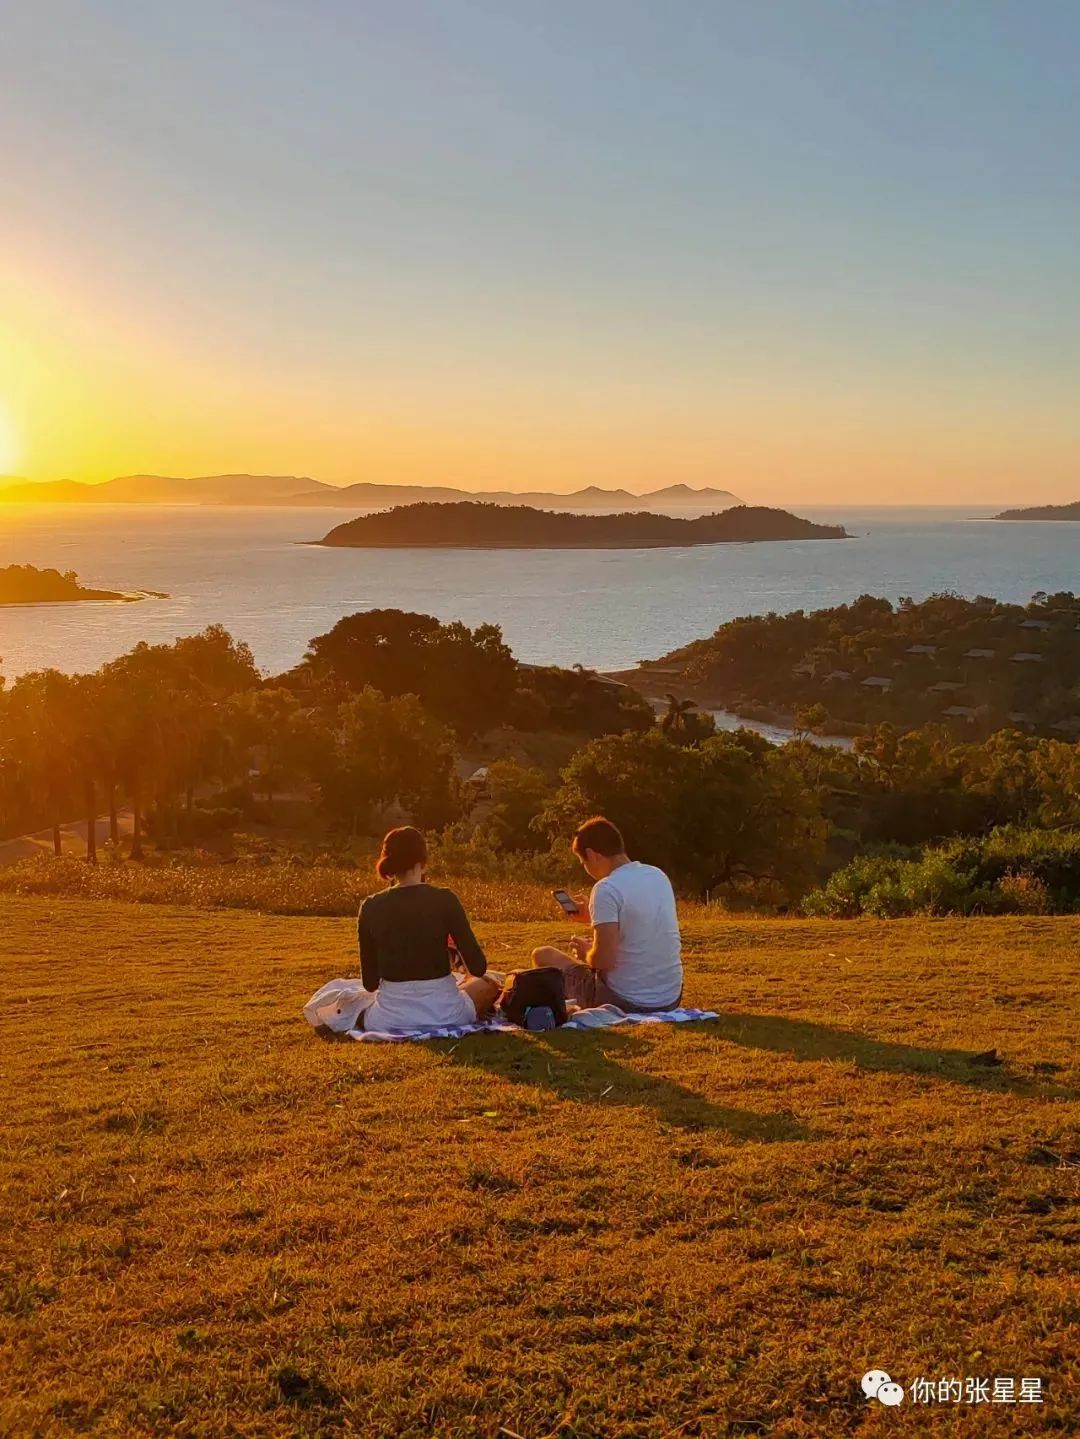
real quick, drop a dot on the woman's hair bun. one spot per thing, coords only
(402, 849)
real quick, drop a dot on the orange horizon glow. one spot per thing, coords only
(461, 255)
(90, 391)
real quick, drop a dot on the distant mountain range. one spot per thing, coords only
(1043, 512)
(170, 490)
(368, 496)
(301, 490)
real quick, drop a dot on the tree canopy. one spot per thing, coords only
(465, 677)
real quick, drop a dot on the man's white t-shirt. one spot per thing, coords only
(640, 900)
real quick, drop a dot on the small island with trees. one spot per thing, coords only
(972, 665)
(487, 526)
(1043, 512)
(27, 585)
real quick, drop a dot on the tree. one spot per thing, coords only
(212, 663)
(268, 732)
(728, 813)
(515, 795)
(471, 678)
(88, 747)
(674, 720)
(810, 719)
(685, 723)
(40, 715)
(165, 718)
(466, 678)
(576, 701)
(384, 751)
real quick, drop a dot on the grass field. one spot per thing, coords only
(214, 1224)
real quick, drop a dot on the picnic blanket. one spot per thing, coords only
(337, 1006)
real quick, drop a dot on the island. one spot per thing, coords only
(489, 526)
(27, 585)
(971, 665)
(1043, 512)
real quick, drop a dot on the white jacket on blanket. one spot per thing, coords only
(401, 1007)
(338, 1005)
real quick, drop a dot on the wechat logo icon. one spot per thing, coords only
(876, 1384)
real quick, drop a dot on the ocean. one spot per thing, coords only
(247, 569)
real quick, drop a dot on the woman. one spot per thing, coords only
(405, 935)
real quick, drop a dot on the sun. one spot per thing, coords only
(9, 443)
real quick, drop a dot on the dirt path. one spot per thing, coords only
(72, 838)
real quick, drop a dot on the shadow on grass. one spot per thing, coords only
(803, 1040)
(585, 1067)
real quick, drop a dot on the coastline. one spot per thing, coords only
(574, 545)
(99, 597)
(655, 685)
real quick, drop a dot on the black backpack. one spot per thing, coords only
(527, 989)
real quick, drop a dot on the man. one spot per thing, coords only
(634, 959)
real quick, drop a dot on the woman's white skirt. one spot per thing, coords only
(412, 1004)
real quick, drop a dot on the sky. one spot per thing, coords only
(813, 251)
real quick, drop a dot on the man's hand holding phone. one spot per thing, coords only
(573, 908)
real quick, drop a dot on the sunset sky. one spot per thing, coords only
(809, 250)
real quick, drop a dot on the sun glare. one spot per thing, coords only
(9, 448)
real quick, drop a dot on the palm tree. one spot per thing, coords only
(675, 719)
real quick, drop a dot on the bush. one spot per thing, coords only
(188, 827)
(511, 801)
(478, 857)
(1009, 871)
(1024, 893)
(237, 796)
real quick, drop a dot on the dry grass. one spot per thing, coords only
(275, 888)
(213, 1224)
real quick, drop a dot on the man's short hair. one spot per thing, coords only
(599, 835)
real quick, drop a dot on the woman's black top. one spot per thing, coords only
(406, 932)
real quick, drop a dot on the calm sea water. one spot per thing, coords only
(607, 608)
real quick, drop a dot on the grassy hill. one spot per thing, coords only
(215, 1224)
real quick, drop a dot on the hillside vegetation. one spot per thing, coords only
(213, 1224)
(273, 794)
(974, 665)
(488, 526)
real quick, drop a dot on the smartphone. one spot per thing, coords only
(570, 905)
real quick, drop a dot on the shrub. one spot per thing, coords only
(1009, 871)
(237, 796)
(1024, 893)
